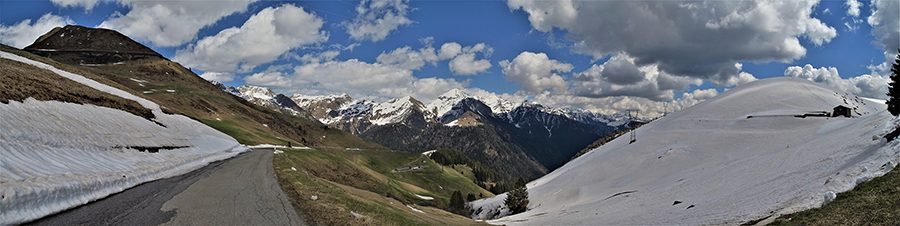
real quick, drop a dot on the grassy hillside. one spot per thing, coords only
(180, 91)
(875, 202)
(365, 182)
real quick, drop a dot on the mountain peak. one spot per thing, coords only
(454, 94)
(256, 92)
(75, 44)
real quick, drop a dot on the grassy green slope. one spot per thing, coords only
(875, 202)
(196, 98)
(364, 181)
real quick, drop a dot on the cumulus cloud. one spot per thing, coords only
(25, 32)
(618, 104)
(852, 7)
(463, 61)
(359, 79)
(535, 72)
(885, 21)
(170, 23)
(376, 19)
(319, 57)
(218, 76)
(465, 64)
(693, 98)
(646, 82)
(874, 86)
(449, 50)
(620, 70)
(697, 39)
(261, 39)
(87, 4)
(407, 58)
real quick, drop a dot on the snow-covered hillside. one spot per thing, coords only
(711, 164)
(58, 155)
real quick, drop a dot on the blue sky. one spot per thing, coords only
(603, 56)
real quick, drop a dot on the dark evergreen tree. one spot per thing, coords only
(470, 197)
(456, 201)
(517, 199)
(893, 101)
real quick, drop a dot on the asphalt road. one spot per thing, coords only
(239, 191)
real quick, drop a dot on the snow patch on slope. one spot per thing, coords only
(60, 155)
(722, 167)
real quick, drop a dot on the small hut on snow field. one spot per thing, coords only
(841, 110)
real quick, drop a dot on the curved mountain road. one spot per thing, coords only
(239, 191)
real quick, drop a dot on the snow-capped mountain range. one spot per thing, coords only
(539, 138)
(330, 109)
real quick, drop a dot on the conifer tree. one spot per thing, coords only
(456, 201)
(517, 199)
(893, 101)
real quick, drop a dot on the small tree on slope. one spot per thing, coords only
(517, 199)
(893, 101)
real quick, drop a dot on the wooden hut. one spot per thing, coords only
(842, 110)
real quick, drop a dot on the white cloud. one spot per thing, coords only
(693, 98)
(25, 32)
(852, 7)
(170, 23)
(534, 72)
(465, 64)
(261, 39)
(218, 76)
(617, 104)
(449, 50)
(463, 58)
(885, 21)
(357, 78)
(319, 57)
(620, 70)
(698, 39)
(874, 86)
(376, 19)
(407, 58)
(87, 4)
(649, 83)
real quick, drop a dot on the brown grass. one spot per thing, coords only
(18, 81)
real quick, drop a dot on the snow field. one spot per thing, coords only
(722, 167)
(59, 155)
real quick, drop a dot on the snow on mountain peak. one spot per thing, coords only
(394, 110)
(446, 101)
(305, 100)
(256, 92)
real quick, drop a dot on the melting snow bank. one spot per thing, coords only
(59, 155)
(424, 197)
(711, 165)
(274, 146)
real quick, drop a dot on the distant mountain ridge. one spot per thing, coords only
(516, 139)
